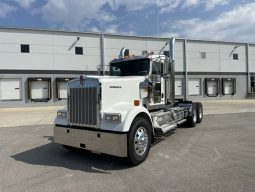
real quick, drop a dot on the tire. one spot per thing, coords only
(200, 114)
(192, 119)
(139, 134)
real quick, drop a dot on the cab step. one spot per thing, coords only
(165, 129)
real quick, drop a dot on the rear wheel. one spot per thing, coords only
(139, 141)
(192, 119)
(200, 114)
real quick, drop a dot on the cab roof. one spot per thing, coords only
(132, 58)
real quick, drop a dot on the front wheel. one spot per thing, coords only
(139, 141)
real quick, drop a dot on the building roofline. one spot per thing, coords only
(116, 34)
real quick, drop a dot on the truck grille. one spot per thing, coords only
(84, 102)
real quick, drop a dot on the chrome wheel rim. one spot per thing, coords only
(194, 116)
(200, 113)
(141, 141)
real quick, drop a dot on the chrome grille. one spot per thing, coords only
(84, 102)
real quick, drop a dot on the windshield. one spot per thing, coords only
(139, 67)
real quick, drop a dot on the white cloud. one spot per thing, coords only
(76, 13)
(112, 29)
(25, 3)
(237, 24)
(72, 13)
(106, 17)
(5, 9)
(213, 3)
(95, 29)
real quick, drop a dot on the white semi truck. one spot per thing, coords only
(122, 113)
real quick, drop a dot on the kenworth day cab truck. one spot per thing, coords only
(121, 114)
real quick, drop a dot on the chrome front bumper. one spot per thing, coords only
(103, 142)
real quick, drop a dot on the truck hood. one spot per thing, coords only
(115, 90)
(117, 78)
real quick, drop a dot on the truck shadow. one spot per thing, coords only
(55, 155)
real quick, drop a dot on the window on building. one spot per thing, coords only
(166, 53)
(203, 55)
(24, 48)
(144, 52)
(235, 56)
(79, 50)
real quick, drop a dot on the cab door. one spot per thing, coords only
(158, 97)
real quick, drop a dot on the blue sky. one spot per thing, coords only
(232, 20)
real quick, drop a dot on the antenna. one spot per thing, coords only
(162, 49)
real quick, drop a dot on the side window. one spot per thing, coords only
(156, 68)
(116, 71)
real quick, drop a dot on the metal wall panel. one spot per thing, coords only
(252, 58)
(196, 63)
(227, 63)
(49, 51)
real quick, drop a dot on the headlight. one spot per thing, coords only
(112, 117)
(61, 114)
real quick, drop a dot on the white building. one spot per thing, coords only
(35, 64)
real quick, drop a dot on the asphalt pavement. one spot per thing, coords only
(216, 156)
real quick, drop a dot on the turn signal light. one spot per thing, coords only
(136, 102)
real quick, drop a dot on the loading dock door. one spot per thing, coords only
(178, 87)
(10, 89)
(212, 87)
(62, 90)
(194, 86)
(229, 86)
(39, 90)
(61, 87)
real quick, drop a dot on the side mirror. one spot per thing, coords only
(166, 67)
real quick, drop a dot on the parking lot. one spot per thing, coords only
(217, 155)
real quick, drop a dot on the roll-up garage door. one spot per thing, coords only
(62, 88)
(194, 86)
(39, 89)
(10, 89)
(178, 87)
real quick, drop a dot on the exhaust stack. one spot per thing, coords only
(172, 69)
